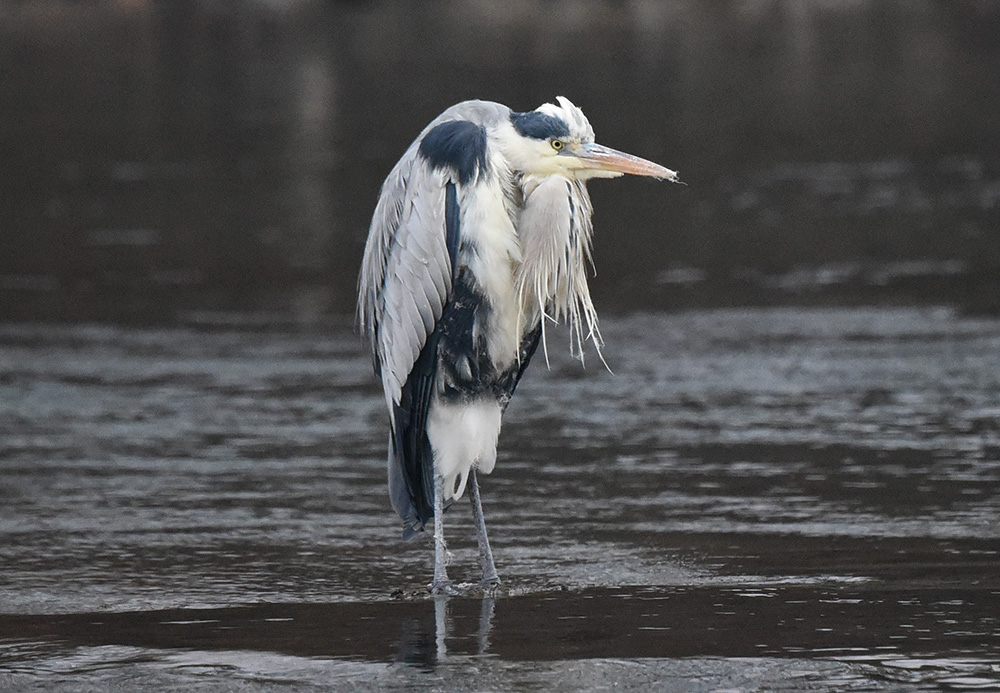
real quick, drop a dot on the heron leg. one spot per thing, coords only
(441, 584)
(490, 577)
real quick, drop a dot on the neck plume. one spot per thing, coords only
(555, 232)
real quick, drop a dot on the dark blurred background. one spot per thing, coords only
(165, 158)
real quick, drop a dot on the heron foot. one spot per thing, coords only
(443, 587)
(490, 585)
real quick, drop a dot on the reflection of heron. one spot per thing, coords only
(442, 626)
(480, 236)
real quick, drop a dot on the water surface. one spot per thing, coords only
(764, 499)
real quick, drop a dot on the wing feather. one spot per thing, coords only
(406, 250)
(403, 312)
(406, 273)
(420, 257)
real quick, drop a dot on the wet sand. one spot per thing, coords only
(766, 499)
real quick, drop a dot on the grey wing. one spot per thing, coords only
(405, 282)
(406, 272)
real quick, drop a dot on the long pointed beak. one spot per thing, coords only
(605, 161)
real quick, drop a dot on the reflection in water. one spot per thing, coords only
(441, 626)
(415, 647)
(485, 625)
(917, 635)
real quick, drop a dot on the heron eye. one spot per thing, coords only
(557, 144)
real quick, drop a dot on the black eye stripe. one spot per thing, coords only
(539, 126)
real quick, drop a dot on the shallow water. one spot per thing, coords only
(763, 499)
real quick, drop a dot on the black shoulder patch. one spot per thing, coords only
(458, 145)
(539, 126)
(452, 225)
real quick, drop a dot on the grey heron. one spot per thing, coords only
(480, 237)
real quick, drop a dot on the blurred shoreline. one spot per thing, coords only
(167, 157)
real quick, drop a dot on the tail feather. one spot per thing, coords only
(411, 461)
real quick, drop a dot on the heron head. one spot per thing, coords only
(557, 139)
